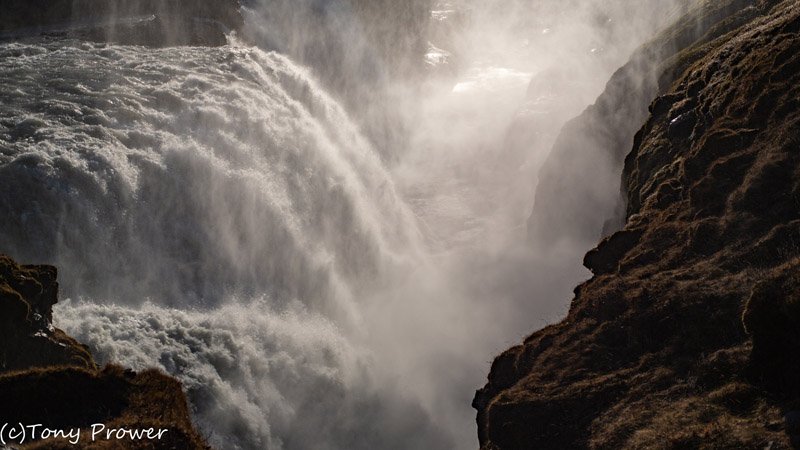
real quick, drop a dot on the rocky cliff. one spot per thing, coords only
(585, 163)
(27, 338)
(688, 333)
(48, 378)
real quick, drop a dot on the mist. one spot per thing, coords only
(507, 76)
(320, 228)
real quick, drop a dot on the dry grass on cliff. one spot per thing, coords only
(68, 398)
(687, 336)
(48, 378)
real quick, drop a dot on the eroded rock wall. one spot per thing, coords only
(578, 195)
(27, 337)
(48, 378)
(687, 335)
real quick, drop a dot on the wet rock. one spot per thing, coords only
(606, 257)
(681, 127)
(48, 377)
(27, 337)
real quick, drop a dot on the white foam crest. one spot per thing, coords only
(258, 378)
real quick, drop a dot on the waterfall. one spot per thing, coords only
(213, 213)
(322, 243)
(191, 173)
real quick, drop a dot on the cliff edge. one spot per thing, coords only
(688, 333)
(585, 164)
(48, 378)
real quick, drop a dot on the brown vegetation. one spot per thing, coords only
(575, 173)
(688, 334)
(49, 378)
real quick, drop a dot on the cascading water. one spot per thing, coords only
(182, 162)
(197, 178)
(216, 213)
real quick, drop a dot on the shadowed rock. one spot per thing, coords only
(592, 146)
(48, 378)
(687, 335)
(27, 337)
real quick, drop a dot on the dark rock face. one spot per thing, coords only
(48, 378)
(772, 318)
(687, 335)
(27, 337)
(575, 198)
(73, 398)
(138, 22)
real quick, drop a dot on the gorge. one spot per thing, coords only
(313, 224)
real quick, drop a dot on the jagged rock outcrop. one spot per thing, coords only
(140, 22)
(68, 398)
(687, 335)
(27, 337)
(48, 378)
(577, 197)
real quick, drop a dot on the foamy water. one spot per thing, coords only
(225, 188)
(216, 213)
